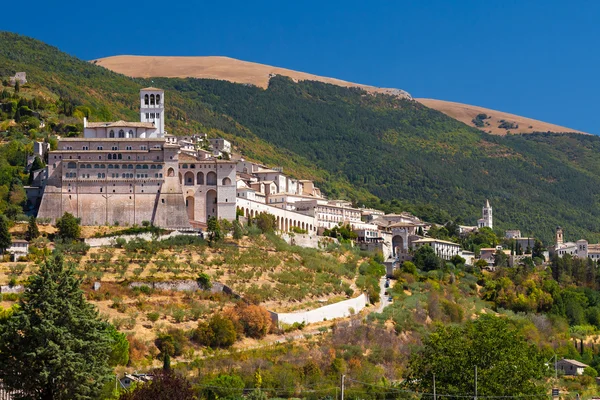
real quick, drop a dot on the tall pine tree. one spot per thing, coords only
(55, 346)
(32, 229)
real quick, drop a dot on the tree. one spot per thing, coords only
(214, 230)
(17, 86)
(163, 386)
(426, 259)
(219, 331)
(119, 354)
(55, 346)
(500, 259)
(68, 227)
(255, 320)
(5, 238)
(506, 364)
(204, 281)
(266, 222)
(32, 229)
(538, 250)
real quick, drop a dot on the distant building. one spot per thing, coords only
(443, 248)
(18, 248)
(20, 77)
(129, 379)
(571, 367)
(487, 218)
(579, 249)
(512, 234)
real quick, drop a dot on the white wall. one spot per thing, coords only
(338, 310)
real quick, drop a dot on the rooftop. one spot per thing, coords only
(120, 124)
(431, 240)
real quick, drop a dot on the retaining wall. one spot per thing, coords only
(110, 241)
(341, 309)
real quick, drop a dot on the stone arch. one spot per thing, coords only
(188, 178)
(397, 245)
(200, 178)
(121, 133)
(171, 173)
(111, 134)
(211, 178)
(190, 206)
(226, 181)
(211, 204)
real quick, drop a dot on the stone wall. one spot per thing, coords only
(110, 241)
(341, 309)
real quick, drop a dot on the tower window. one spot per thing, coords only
(158, 99)
(146, 102)
(151, 99)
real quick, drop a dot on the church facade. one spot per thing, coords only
(131, 172)
(486, 219)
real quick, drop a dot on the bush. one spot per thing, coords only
(219, 331)
(409, 268)
(153, 316)
(255, 320)
(589, 371)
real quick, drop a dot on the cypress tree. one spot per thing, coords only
(167, 362)
(32, 229)
(5, 238)
(55, 346)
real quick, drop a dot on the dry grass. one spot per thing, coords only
(221, 68)
(465, 113)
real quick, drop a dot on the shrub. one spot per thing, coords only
(153, 316)
(255, 320)
(589, 371)
(219, 331)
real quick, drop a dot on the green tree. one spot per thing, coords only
(219, 331)
(506, 364)
(500, 259)
(224, 386)
(55, 346)
(214, 230)
(119, 354)
(266, 222)
(17, 86)
(5, 238)
(426, 259)
(538, 250)
(32, 229)
(68, 227)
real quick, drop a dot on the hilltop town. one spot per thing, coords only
(207, 261)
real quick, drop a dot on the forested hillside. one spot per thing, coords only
(376, 150)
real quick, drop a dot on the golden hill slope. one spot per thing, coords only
(213, 67)
(465, 113)
(233, 70)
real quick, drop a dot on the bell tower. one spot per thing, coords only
(559, 236)
(487, 217)
(152, 108)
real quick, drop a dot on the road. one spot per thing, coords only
(383, 298)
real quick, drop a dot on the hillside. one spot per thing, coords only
(222, 68)
(238, 71)
(466, 113)
(377, 150)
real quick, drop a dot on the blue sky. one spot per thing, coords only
(538, 59)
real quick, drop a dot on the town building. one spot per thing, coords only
(487, 218)
(442, 248)
(128, 172)
(18, 248)
(571, 367)
(20, 77)
(579, 249)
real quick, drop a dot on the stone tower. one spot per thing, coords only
(559, 236)
(152, 108)
(487, 219)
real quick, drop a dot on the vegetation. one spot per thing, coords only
(68, 227)
(61, 330)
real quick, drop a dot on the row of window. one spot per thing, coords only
(115, 166)
(102, 175)
(152, 100)
(152, 115)
(121, 134)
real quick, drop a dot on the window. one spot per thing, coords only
(115, 148)
(158, 99)
(151, 99)
(128, 148)
(110, 156)
(121, 133)
(99, 148)
(120, 156)
(157, 115)
(146, 102)
(71, 165)
(147, 115)
(130, 133)
(111, 134)
(85, 148)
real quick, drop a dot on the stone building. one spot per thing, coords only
(127, 172)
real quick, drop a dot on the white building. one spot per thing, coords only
(487, 218)
(442, 248)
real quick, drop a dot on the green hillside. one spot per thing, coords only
(375, 150)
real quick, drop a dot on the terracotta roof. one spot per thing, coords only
(151, 88)
(19, 241)
(430, 240)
